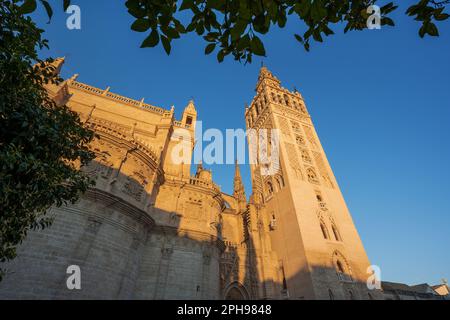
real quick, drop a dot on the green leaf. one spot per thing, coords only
(140, 25)
(187, 4)
(27, 7)
(66, 4)
(48, 9)
(432, 30)
(220, 55)
(210, 48)
(387, 21)
(166, 44)
(152, 40)
(441, 17)
(257, 46)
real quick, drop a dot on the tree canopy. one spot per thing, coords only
(235, 26)
(42, 144)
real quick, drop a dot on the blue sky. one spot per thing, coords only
(380, 101)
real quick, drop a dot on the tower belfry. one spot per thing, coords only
(309, 226)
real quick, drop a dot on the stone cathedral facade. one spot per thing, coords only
(149, 229)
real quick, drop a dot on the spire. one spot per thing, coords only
(58, 63)
(190, 107)
(265, 76)
(239, 191)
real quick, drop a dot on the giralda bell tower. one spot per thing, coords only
(311, 231)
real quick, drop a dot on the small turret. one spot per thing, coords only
(189, 115)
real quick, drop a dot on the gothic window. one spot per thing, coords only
(300, 140)
(286, 100)
(319, 197)
(279, 100)
(296, 126)
(336, 233)
(305, 156)
(280, 182)
(269, 187)
(274, 98)
(343, 270)
(265, 99)
(257, 108)
(312, 176)
(324, 230)
(189, 121)
(339, 267)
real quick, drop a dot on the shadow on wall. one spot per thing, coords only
(128, 249)
(120, 250)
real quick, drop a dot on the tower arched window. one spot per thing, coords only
(324, 230)
(336, 233)
(269, 187)
(305, 156)
(340, 267)
(312, 176)
(280, 182)
(300, 140)
(343, 270)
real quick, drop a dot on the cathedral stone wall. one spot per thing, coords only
(104, 238)
(149, 229)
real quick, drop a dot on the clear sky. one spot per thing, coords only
(380, 101)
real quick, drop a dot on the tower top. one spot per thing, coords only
(190, 108)
(266, 77)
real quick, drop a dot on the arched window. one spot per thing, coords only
(336, 233)
(286, 100)
(300, 140)
(305, 156)
(280, 182)
(324, 230)
(265, 99)
(330, 293)
(343, 270)
(269, 187)
(257, 108)
(312, 176)
(340, 267)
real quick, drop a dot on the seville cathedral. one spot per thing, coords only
(151, 230)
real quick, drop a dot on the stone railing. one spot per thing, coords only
(180, 125)
(203, 183)
(116, 97)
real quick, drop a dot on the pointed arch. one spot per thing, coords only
(236, 291)
(342, 267)
(337, 235)
(324, 229)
